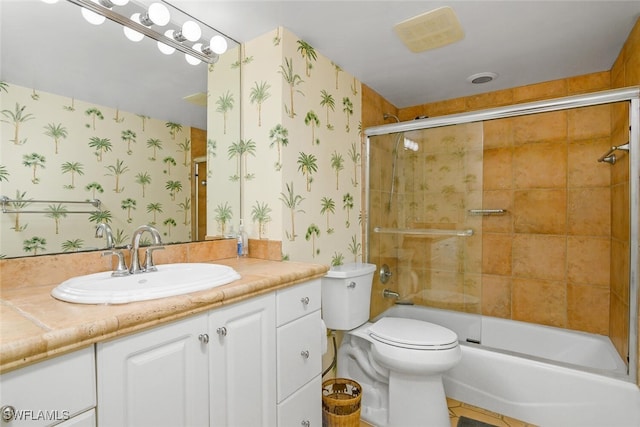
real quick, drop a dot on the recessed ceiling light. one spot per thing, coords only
(480, 78)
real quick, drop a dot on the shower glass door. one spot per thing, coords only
(425, 216)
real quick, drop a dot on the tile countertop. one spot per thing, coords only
(35, 326)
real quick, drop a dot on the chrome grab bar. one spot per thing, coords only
(424, 231)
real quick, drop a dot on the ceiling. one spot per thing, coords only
(524, 42)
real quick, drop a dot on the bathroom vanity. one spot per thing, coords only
(247, 353)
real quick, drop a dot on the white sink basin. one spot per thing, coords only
(169, 280)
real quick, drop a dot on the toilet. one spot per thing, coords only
(399, 362)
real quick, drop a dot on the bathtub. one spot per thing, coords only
(541, 375)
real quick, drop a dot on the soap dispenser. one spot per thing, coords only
(243, 241)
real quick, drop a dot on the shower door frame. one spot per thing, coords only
(629, 94)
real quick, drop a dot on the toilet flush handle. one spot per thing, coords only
(351, 285)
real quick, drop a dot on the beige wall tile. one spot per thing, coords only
(589, 122)
(496, 296)
(589, 83)
(540, 211)
(588, 211)
(545, 90)
(496, 254)
(539, 301)
(543, 127)
(582, 303)
(498, 133)
(588, 260)
(539, 257)
(497, 171)
(583, 169)
(541, 165)
(498, 199)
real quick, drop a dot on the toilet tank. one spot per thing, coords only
(346, 295)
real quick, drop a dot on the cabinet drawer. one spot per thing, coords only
(297, 301)
(51, 391)
(304, 407)
(299, 355)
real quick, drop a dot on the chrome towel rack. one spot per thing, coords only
(424, 231)
(6, 202)
(610, 157)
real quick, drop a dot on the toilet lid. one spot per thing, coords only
(412, 333)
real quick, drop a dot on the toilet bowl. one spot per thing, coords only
(399, 362)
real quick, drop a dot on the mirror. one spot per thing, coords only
(87, 114)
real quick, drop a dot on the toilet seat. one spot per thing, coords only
(413, 334)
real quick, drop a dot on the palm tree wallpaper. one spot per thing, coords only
(302, 173)
(58, 149)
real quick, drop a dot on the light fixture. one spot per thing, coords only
(192, 59)
(92, 17)
(166, 49)
(189, 31)
(130, 33)
(218, 44)
(158, 14)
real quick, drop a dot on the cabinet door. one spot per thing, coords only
(51, 391)
(304, 407)
(242, 364)
(155, 378)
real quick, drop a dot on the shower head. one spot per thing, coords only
(388, 116)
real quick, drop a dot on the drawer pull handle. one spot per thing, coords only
(304, 300)
(305, 423)
(204, 338)
(304, 354)
(8, 413)
(222, 331)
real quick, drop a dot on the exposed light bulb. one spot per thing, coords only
(92, 17)
(191, 31)
(192, 59)
(164, 48)
(157, 14)
(218, 44)
(132, 34)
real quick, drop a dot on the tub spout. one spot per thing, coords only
(388, 293)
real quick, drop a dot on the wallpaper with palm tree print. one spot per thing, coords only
(301, 152)
(61, 149)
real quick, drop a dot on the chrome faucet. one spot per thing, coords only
(135, 267)
(103, 229)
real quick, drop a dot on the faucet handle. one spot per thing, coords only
(148, 258)
(121, 269)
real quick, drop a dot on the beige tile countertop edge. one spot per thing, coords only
(35, 326)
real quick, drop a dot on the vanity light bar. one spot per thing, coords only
(122, 20)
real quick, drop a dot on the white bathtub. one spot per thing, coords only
(538, 374)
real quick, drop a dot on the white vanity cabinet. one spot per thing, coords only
(59, 391)
(299, 355)
(157, 377)
(242, 363)
(256, 362)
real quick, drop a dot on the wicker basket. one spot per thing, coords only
(341, 403)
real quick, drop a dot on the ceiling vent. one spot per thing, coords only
(430, 30)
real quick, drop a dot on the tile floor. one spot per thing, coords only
(458, 409)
